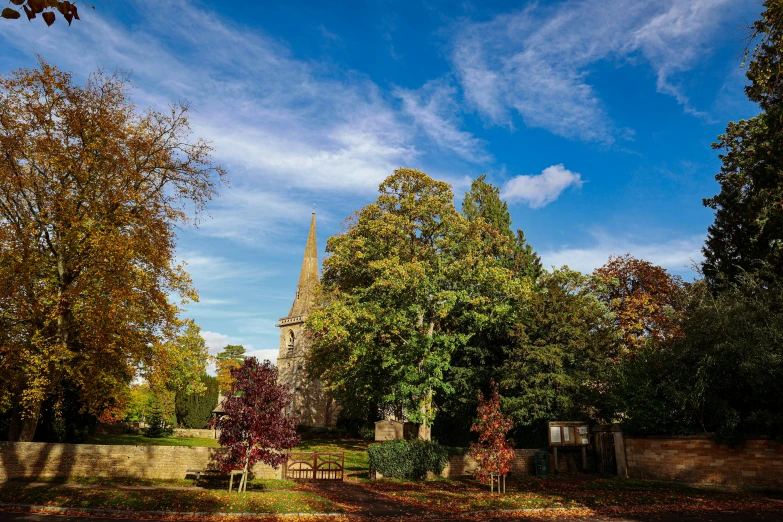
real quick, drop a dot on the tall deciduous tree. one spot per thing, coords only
(255, 426)
(747, 234)
(231, 358)
(90, 193)
(406, 284)
(647, 301)
(476, 363)
(181, 362)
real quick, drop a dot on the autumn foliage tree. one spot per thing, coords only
(229, 359)
(477, 362)
(255, 426)
(407, 284)
(494, 453)
(91, 191)
(180, 362)
(646, 300)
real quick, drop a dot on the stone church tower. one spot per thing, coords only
(311, 403)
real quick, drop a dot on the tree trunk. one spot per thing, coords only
(29, 424)
(425, 428)
(28, 421)
(243, 482)
(15, 426)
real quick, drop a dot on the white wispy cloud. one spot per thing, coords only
(269, 354)
(269, 115)
(542, 189)
(251, 216)
(435, 110)
(537, 62)
(676, 255)
(216, 341)
(674, 40)
(209, 271)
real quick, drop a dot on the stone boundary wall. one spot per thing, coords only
(460, 465)
(33, 460)
(120, 428)
(756, 464)
(191, 433)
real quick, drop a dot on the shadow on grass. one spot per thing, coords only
(127, 439)
(352, 445)
(577, 491)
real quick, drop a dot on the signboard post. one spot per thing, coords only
(569, 434)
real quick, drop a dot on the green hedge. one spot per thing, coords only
(407, 459)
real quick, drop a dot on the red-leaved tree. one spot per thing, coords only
(493, 452)
(255, 426)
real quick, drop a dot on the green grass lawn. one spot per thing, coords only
(588, 494)
(141, 440)
(206, 482)
(293, 499)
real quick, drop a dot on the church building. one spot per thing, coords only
(310, 402)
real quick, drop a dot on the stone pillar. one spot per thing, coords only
(619, 452)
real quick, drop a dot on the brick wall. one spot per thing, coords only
(460, 465)
(35, 459)
(758, 463)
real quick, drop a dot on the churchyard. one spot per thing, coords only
(567, 494)
(425, 362)
(574, 493)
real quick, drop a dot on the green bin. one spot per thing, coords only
(541, 463)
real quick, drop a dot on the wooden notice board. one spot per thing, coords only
(569, 433)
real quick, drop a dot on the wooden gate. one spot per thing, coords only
(604, 447)
(315, 466)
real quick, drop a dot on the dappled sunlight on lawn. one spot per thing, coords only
(162, 499)
(128, 439)
(580, 491)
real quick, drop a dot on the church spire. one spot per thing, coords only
(308, 277)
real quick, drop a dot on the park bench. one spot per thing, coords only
(199, 472)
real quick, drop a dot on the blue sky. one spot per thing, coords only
(595, 117)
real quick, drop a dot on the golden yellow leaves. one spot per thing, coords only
(90, 192)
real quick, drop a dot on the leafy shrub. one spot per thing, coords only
(194, 411)
(367, 433)
(407, 459)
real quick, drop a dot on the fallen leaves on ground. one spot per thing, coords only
(527, 498)
(581, 491)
